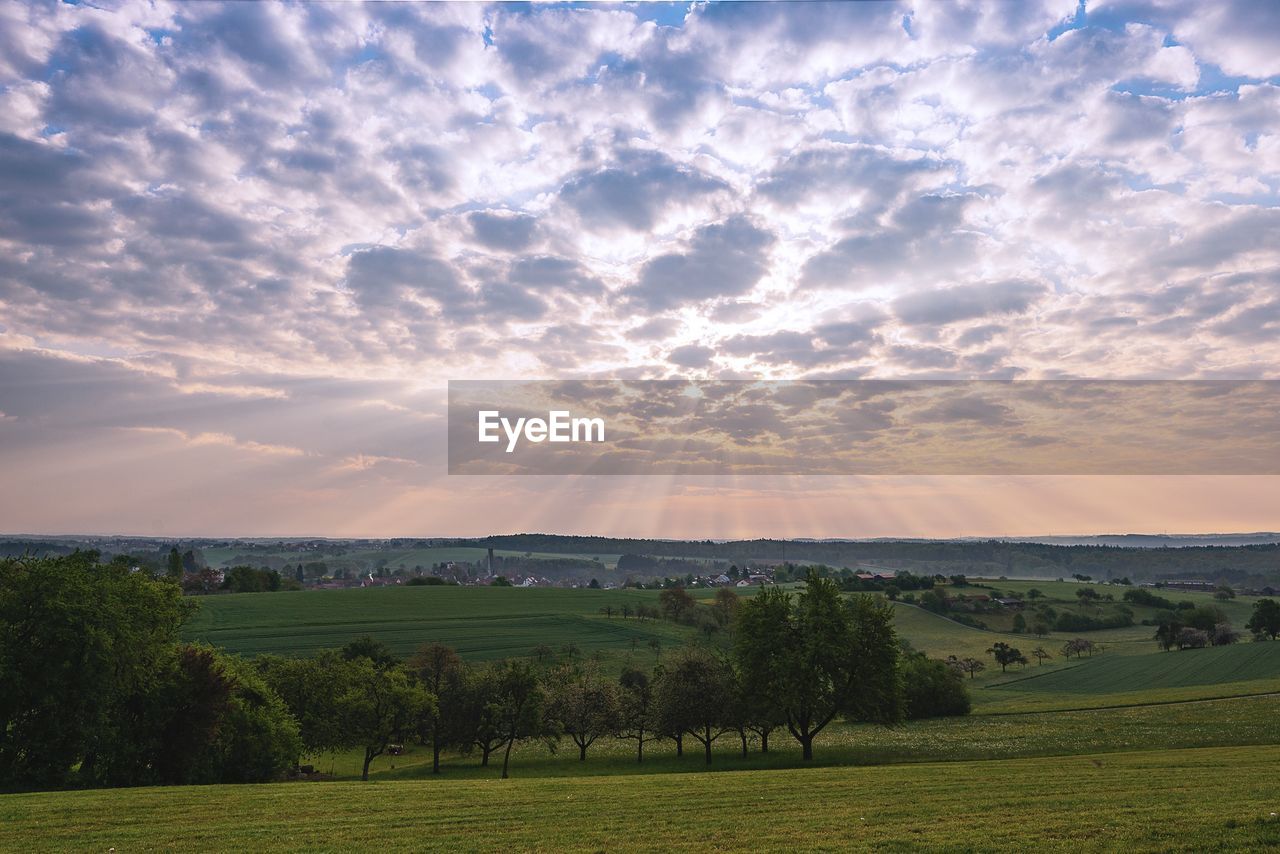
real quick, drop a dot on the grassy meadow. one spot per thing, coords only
(1156, 800)
(1133, 747)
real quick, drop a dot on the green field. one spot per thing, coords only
(1132, 748)
(1175, 669)
(1184, 800)
(483, 623)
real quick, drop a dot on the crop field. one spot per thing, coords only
(486, 623)
(481, 622)
(1184, 800)
(1175, 669)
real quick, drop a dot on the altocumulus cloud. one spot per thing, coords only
(403, 194)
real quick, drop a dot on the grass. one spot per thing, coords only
(483, 623)
(1181, 669)
(1185, 800)
(487, 623)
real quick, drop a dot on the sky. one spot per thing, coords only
(244, 247)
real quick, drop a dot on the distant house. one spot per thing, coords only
(1010, 603)
(721, 579)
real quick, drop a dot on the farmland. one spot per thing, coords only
(483, 623)
(1079, 803)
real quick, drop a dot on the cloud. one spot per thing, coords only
(634, 190)
(967, 302)
(503, 229)
(691, 356)
(217, 205)
(723, 259)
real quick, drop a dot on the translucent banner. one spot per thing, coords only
(645, 427)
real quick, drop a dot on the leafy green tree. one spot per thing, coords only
(931, 689)
(637, 709)
(174, 565)
(1265, 620)
(695, 695)
(310, 688)
(583, 706)
(372, 650)
(482, 727)
(1006, 655)
(440, 670)
(820, 657)
(518, 707)
(80, 643)
(379, 706)
(1041, 654)
(1168, 625)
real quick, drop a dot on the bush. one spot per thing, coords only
(932, 689)
(1138, 596)
(1070, 622)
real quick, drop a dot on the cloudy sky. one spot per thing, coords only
(243, 247)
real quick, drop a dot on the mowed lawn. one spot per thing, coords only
(1187, 800)
(483, 623)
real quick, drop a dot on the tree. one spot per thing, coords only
(724, 606)
(378, 706)
(1078, 647)
(594, 585)
(695, 695)
(1190, 638)
(1224, 634)
(480, 723)
(637, 718)
(1224, 592)
(820, 657)
(1005, 655)
(1265, 620)
(1041, 654)
(583, 706)
(372, 650)
(80, 644)
(1019, 623)
(1204, 618)
(518, 705)
(1040, 628)
(440, 670)
(676, 604)
(1034, 594)
(174, 565)
(1168, 626)
(931, 689)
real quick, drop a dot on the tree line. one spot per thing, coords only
(101, 691)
